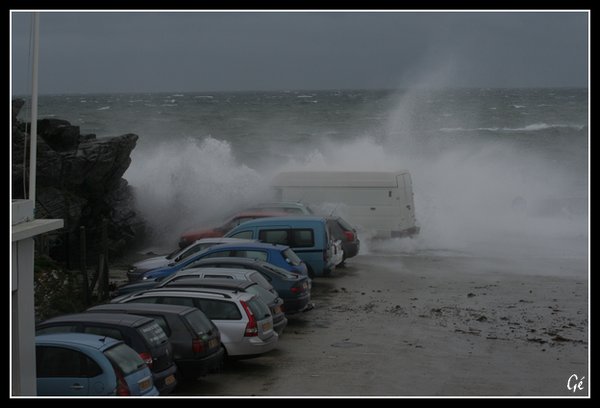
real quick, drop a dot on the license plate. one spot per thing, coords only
(212, 343)
(266, 326)
(145, 383)
(170, 379)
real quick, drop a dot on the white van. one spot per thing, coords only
(378, 203)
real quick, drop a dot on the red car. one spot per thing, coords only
(191, 236)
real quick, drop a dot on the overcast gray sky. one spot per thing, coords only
(211, 51)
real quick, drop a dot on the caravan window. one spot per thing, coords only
(274, 236)
(303, 238)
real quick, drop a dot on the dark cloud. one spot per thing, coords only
(206, 51)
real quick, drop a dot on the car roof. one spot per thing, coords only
(214, 293)
(227, 259)
(225, 240)
(246, 246)
(145, 307)
(109, 318)
(216, 271)
(257, 212)
(226, 284)
(281, 204)
(88, 340)
(281, 220)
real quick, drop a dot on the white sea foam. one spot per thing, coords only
(529, 128)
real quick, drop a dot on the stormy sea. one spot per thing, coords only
(495, 171)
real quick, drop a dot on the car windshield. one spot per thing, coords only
(123, 357)
(173, 254)
(199, 322)
(290, 256)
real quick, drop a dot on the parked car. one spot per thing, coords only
(138, 268)
(196, 341)
(346, 233)
(272, 300)
(293, 288)
(140, 333)
(227, 273)
(279, 255)
(77, 364)
(308, 236)
(191, 236)
(245, 322)
(291, 208)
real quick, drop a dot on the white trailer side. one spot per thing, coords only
(378, 203)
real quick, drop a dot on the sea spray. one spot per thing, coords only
(185, 183)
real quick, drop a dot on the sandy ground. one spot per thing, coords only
(428, 325)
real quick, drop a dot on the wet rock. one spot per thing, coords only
(59, 134)
(79, 179)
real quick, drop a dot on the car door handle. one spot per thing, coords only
(76, 387)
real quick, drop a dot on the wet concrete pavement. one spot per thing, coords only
(424, 325)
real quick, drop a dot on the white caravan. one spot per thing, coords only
(377, 203)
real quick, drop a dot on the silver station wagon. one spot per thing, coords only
(244, 321)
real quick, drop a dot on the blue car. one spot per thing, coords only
(307, 236)
(278, 255)
(79, 364)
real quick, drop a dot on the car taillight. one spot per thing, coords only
(122, 387)
(251, 327)
(147, 359)
(197, 346)
(297, 289)
(349, 235)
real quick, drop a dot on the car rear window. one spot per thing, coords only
(261, 280)
(57, 329)
(123, 357)
(262, 293)
(162, 322)
(258, 308)
(104, 331)
(260, 255)
(153, 334)
(290, 256)
(344, 224)
(199, 322)
(282, 273)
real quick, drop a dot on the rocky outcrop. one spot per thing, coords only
(79, 179)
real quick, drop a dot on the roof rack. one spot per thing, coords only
(186, 289)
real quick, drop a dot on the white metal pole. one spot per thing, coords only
(34, 108)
